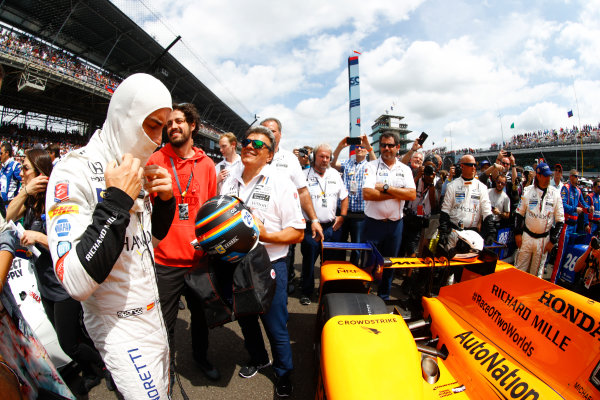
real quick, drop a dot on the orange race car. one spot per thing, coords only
(497, 333)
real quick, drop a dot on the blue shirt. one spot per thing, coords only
(10, 179)
(354, 178)
(572, 198)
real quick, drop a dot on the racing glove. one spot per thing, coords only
(444, 229)
(489, 230)
(519, 224)
(555, 232)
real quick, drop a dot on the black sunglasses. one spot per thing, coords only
(388, 145)
(257, 144)
(469, 164)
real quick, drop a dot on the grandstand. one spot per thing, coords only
(64, 58)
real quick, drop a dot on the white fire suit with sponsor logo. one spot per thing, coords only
(467, 204)
(543, 216)
(101, 244)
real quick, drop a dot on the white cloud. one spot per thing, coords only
(446, 65)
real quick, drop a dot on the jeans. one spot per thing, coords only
(275, 323)
(311, 250)
(353, 226)
(387, 238)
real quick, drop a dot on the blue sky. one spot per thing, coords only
(448, 66)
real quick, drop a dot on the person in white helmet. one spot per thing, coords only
(101, 229)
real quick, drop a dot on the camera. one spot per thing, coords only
(302, 152)
(428, 170)
(356, 141)
(508, 153)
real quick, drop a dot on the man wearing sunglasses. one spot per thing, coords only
(388, 184)
(466, 206)
(273, 199)
(194, 181)
(353, 175)
(538, 221)
(288, 164)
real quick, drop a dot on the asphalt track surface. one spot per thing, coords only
(227, 353)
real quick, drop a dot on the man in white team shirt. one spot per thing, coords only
(231, 160)
(273, 200)
(287, 163)
(325, 187)
(388, 184)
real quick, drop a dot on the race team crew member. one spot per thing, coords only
(326, 188)
(388, 184)
(287, 163)
(593, 199)
(573, 205)
(10, 174)
(466, 205)
(538, 221)
(193, 180)
(274, 203)
(101, 230)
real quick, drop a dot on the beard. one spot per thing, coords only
(183, 139)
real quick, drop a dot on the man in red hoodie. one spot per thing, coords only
(194, 181)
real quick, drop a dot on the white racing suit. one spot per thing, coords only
(101, 244)
(539, 218)
(466, 206)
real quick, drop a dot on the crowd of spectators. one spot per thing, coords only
(24, 138)
(34, 50)
(552, 137)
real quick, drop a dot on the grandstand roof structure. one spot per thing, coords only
(98, 32)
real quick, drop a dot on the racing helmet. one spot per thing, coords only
(468, 244)
(225, 228)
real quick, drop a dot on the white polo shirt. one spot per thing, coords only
(398, 176)
(325, 192)
(286, 162)
(229, 166)
(272, 198)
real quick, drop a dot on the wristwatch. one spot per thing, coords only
(385, 187)
(314, 221)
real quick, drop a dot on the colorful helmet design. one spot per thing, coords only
(225, 227)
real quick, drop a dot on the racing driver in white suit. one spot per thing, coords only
(538, 222)
(100, 233)
(466, 206)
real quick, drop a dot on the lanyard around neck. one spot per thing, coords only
(251, 192)
(183, 193)
(319, 182)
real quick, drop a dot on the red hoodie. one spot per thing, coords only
(175, 249)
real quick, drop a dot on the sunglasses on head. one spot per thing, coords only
(257, 144)
(469, 164)
(388, 145)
